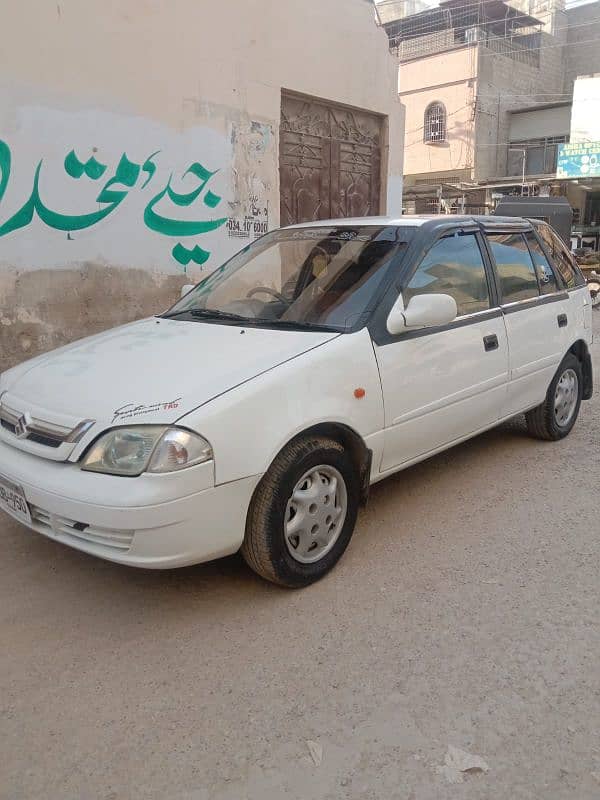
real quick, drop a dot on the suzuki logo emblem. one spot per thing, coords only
(22, 426)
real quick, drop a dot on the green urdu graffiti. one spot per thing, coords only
(112, 194)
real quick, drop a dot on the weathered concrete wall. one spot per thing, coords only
(46, 308)
(505, 85)
(139, 145)
(583, 51)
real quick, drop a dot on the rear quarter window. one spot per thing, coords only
(545, 273)
(560, 256)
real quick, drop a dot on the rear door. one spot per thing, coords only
(535, 308)
(579, 314)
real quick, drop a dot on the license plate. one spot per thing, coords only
(12, 500)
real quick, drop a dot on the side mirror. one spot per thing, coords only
(422, 311)
(187, 288)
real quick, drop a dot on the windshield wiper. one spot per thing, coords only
(209, 313)
(260, 322)
(293, 325)
(214, 313)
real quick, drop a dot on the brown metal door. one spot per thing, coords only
(330, 161)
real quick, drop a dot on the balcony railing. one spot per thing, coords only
(522, 48)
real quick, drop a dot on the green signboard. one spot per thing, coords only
(578, 160)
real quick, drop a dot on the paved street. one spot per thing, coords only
(464, 613)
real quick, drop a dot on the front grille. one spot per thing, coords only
(76, 532)
(40, 431)
(46, 440)
(40, 438)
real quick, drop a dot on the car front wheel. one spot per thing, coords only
(303, 513)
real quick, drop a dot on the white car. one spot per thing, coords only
(256, 413)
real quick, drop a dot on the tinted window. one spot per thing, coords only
(545, 273)
(453, 266)
(561, 257)
(515, 267)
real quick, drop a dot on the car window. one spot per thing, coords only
(453, 266)
(561, 257)
(516, 272)
(545, 273)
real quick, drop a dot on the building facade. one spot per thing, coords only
(580, 160)
(488, 91)
(143, 143)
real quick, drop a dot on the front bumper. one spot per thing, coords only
(141, 522)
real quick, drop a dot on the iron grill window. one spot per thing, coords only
(435, 123)
(541, 155)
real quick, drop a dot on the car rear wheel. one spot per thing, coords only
(303, 513)
(555, 417)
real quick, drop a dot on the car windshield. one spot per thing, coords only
(314, 277)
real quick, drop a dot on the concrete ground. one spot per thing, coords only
(464, 613)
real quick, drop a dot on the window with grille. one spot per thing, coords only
(435, 123)
(540, 155)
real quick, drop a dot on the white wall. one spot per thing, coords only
(193, 81)
(172, 91)
(585, 116)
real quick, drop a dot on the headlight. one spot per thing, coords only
(146, 448)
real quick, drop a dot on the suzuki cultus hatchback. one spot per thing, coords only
(256, 412)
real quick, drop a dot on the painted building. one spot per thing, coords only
(143, 143)
(487, 88)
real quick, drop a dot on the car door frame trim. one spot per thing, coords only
(477, 316)
(533, 302)
(459, 322)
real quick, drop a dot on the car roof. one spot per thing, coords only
(414, 220)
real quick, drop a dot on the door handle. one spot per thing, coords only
(490, 342)
(562, 320)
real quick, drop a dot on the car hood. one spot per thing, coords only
(153, 370)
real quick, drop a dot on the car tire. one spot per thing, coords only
(311, 490)
(555, 417)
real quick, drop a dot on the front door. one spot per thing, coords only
(330, 161)
(442, 384)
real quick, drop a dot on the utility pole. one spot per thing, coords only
(523, 151)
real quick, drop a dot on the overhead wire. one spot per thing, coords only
(507, 55)
(542, 47)
(432, 27)
(520, 49)
(470, 104)
(516, 143)
(483, 3)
